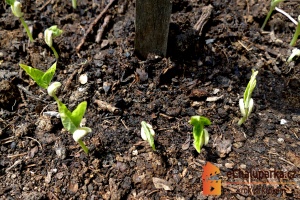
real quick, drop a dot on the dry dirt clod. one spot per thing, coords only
(223, 147)
(9, 95)
(162, 184)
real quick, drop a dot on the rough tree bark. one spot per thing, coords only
(152, 27)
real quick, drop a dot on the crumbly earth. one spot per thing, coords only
(205, 73)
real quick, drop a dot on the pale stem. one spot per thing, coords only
(85, 149)
(287, 15)
(74, 4)
(295, 37)
(55, 53)
(27, 29)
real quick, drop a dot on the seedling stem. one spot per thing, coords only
(274, 3)
(297, 33)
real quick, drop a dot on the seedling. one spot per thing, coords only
(297, 33)
(49, 35)
(246, 104)
(74, 4)
(147, 133)
(295, 52)
(43, 79)
(71, 120)
(200, 134)
(274, 3)
(16, 10)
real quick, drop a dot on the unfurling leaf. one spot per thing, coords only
(147, 133)
(201, 136)
(43, 79)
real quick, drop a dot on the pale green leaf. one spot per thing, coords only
(55, 31)
(148, 134)
(249, 89)
(206, 137)
(43, 79)
(66, 117)
(35, 74)
(78, 113)
(71, 120)
(10, 2)
(197, 138)
(48, 75)
(200, 136)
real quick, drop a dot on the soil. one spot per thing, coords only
(205, 73)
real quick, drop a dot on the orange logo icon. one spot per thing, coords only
(211, 187)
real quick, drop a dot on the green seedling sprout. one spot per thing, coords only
(71, 120)
(246, 104)
(297, 33)
(295, 52)
(43, 79)
(16, 7)
(147, 134)
(200, 134)
(74, 4)
(274, 3)
(49, 35)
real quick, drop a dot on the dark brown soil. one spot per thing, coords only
(40, 160)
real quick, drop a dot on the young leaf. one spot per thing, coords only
(148, 132)
(10, 2)
(55, 31)
(71, 120)
(47, 77)
(198, 140)
(66, 117)
(196, 120)
(43, 79)
(78, 113)
(200, 135)
(249, 89)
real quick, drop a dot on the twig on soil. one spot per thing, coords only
(283, 159)
(30, 94)
(106, 106)
(7, 140)
(15, 164)
(31, 165)
(45, 4)
(22, 97)
(244, 46)
(124, 124)
(166, 116)
(154, 191)
(206, 12)
(35, 140)
(52, 196)
(69, 81)
(287, 161)
(295, 135)
(102, 28)
(16, 155)
(93, 24)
